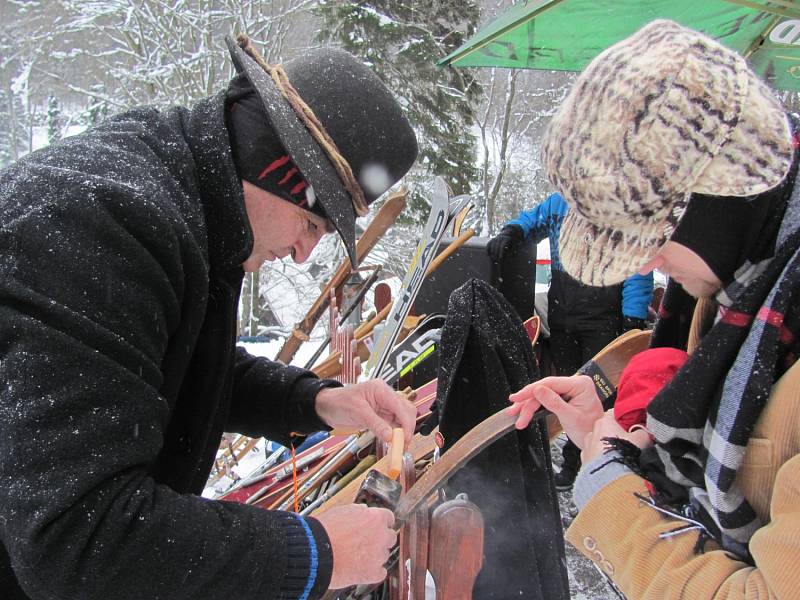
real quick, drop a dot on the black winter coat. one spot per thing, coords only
(120, 254)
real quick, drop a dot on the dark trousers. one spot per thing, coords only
(569, 352)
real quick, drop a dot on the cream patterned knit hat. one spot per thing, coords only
(663, 113)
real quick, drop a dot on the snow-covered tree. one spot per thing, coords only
(19, 52)
(151, 51)
(11, 127)
(516, 107)
(402, 40)
(97, 107)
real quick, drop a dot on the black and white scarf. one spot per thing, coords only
(702, 420)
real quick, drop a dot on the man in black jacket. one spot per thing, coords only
(122, 253)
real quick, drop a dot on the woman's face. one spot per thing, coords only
(687, 268)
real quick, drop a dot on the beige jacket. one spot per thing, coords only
(620, 533)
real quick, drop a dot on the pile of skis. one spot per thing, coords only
(330, 472)
(404, 342)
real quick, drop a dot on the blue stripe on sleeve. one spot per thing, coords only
(312, 569)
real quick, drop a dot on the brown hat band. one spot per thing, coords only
(312, 123)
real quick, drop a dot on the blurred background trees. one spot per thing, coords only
(67, 64)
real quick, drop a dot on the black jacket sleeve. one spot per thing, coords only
(274, 400)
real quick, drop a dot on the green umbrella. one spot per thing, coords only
(564, 35)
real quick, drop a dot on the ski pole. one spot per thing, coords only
(355, 444)
(365, 464)
(286, 471)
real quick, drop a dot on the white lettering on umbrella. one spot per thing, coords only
(787, 32)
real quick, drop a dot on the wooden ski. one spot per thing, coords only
(455, 554)
(606, 366)
(422, 446)
(386, 216)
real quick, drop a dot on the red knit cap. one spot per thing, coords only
(645, 375)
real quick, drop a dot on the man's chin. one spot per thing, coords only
(253, 264)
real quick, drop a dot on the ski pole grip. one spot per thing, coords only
(396, 453)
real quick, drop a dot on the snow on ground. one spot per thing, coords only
(270, 350)
(585, 581)
(39, 138)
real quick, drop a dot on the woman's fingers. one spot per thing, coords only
(526, 411)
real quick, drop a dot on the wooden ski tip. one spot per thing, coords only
(396, 453)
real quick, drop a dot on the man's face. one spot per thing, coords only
(280, 228)
(687, 268)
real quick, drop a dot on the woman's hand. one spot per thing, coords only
(573, 400)
(607, 426)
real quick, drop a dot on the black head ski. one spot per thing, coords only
(423, 255)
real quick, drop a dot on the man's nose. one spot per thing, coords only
(304, 247)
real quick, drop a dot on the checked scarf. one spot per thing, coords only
(702, 419)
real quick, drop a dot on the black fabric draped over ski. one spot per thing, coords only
(485, 356)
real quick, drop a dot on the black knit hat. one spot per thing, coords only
(257, 152)
(358, 113)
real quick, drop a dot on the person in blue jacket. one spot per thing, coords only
(582, 318)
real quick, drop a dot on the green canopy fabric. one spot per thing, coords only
(564, 35)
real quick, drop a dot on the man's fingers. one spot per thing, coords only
(381, 429)
(383, 515)
(376, 576)
(406, 416)
(401, 412)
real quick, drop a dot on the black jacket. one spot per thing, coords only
(574, 307)
(120, 254)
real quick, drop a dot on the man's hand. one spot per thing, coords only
(607, 426)
(369, 405)
(361, 539)
(508, 237)
(572, 399)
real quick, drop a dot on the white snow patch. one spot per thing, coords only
(375, 179)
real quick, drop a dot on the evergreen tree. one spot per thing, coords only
(97, 110)
(54, 120)
(402, 40)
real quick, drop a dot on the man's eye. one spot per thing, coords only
(312, 227)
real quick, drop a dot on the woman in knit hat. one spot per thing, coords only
(673, 155)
